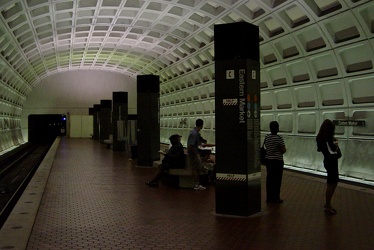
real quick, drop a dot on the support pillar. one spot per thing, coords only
(119, 120)
(96, 122)
(148, 134)
(105, 119)
(237, 119)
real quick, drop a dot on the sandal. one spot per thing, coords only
(329, 210)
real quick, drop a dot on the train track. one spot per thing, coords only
(16, 170)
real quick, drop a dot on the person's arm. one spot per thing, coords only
(333, 148)
(282, 147)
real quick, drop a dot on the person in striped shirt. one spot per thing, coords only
(275, 148)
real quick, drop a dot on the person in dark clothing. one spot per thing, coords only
(327, 144)
(275, 148)
(174, 158)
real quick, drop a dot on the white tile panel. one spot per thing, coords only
(173, 98)
(165, 111)
(306, 122)
(182, 96)
(286, 122)
(213, 106)
(203, 92)
(268, 55)
(305, 97)
(365, 16)
(361, 91)
(287, 48)
(299, 72)
(211, 89)
(356, 58)
(366, 115)
(208, 125)
(324, 66)
(169, 122)
(277, 76)
(323, 9)
(332, 95)
(283, 99)
(163, 135)
(264, 79)
(191, 109)
(176, 122)
(267, 101)
(311, 39)
(342, 29)
(207, 109)
(181, 109)
(294, 16)
(199, 108)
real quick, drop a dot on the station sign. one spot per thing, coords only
(359, 123)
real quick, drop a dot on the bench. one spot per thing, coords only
(181, 177)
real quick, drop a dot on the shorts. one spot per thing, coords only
(195, 162)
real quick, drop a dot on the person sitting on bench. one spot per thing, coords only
(174, 158)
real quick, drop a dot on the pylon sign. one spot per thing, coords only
(237, 122)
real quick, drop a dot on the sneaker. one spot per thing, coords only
(199, 187)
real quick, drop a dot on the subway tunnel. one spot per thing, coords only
(316, 60)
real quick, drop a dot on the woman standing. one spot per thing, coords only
(328, 145)
(275, 148)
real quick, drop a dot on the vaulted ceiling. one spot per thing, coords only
(170, 38)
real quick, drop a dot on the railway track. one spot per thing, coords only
(16, 170)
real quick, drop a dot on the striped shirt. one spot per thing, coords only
(273, 143)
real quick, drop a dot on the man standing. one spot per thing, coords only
(193, 153)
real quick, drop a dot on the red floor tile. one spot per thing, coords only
(96, 199)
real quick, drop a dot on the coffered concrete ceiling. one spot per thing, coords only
(169, 38)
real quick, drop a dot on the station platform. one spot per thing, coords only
(87, 196)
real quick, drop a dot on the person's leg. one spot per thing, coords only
(158, 176)
(268, 181)
(196, 166)
(330, 189)
(332, 182)
(278, 180)
(193, 167)
(154, 182)
(270, 196)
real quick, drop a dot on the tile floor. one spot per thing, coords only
(97, 199)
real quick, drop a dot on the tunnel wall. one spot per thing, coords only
(75, 92)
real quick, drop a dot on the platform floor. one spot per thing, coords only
(97, 199)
